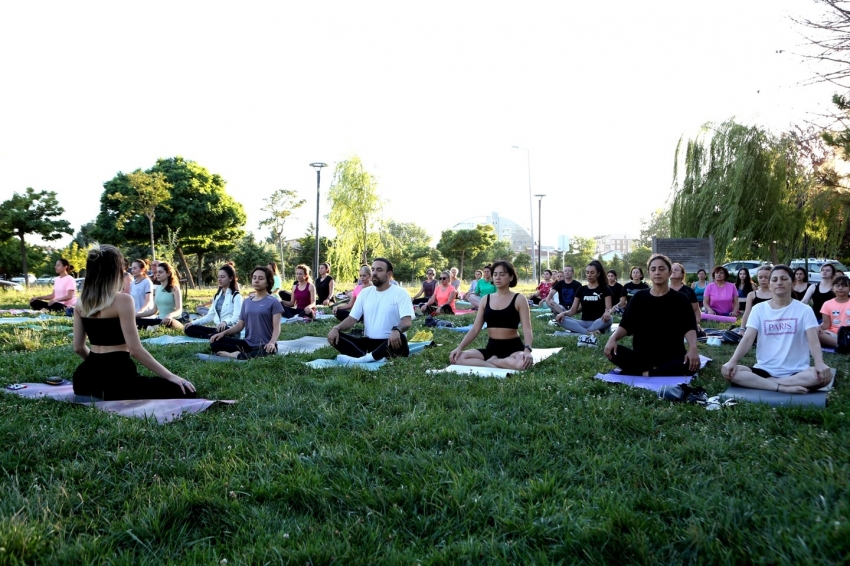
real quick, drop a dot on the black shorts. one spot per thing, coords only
(502, 348)
(761, 373)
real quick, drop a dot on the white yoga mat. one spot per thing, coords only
(539, 355)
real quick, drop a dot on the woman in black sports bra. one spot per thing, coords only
(108, 317)
(503, 313)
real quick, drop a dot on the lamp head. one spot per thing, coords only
(318, 165)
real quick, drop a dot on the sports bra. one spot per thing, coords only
(757, 300)
(507, 317)
(104, 331)
(301, 297)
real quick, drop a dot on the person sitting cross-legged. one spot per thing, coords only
(658, 319)
(787, 333)
(594, 299)
(835, 312)
(386, 311)
(442, 300)
(225, 308)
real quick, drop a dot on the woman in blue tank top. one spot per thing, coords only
(503, 313)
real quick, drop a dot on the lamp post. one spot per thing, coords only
(318, 167)
(539, 234)
(530, 206)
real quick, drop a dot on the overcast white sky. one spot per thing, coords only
(430, 95)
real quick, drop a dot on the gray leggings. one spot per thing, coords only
(584, 326)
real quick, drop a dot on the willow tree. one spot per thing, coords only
(355, 209)
(749, 189)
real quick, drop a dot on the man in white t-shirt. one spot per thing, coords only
(787, 334)
(387, 313)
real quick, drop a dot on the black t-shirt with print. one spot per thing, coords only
(630, 288)
(592, 301)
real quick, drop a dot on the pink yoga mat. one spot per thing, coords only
(464, 311)
(718, 318)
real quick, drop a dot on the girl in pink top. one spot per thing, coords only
(341, 311)
(303, 301)
(836, 312)
(721, 297)
(64, 295)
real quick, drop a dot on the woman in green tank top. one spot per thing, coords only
(485, 287)
(168, 302)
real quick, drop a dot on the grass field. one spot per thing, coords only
(403, 467)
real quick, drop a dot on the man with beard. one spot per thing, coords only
(387, 312)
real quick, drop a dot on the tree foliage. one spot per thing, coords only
(522, 263)
(407, 245)
(74, 253)
(249, 253)
(657, 226)
(144, 193)
(580, 254)
(355, 215)
(279, 207)
(10, 258)
(754, 193)
(460, 244)
(32, 213)
(638, 257)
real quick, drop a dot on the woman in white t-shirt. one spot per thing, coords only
(141, 288)
(787, 333)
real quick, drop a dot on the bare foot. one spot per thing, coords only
(799, 389)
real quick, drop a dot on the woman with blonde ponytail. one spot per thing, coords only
(107, 317)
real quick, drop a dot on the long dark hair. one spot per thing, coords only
(172, 277)
(600, 278)
(234, 286)
(745, 283)
(509, 268)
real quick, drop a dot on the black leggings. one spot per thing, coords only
(289, 312)
(38, 304)
(145, 322)
(502, 348)
(114, 377)
(358, 346)
(632, 364)
(196, 331)
(246, 351)
(445, 309)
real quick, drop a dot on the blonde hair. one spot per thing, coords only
(104, 279)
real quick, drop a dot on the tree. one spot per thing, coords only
(280, 206)
(830, 38)
(748, 189)
(249, 253)
(10, 257)
(580, 254)
(32, 213)
(208, 219)
(658, 226)
(75, 255)
(147, 192)
(500, 249)
(459, 244)
(638, 257)
(407, 245)
(307, 250)
(355, 214)
(83, 237)
(522, 262)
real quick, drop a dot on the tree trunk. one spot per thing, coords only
(185, 264)
(460, 274)
(773, 257)
(24, 262)
(153, 248)
(200, 269)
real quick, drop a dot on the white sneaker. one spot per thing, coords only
(588, 340)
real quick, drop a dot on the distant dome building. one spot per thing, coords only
(506, 230)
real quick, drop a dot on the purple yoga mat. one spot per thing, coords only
(163, 410)
(651, 383)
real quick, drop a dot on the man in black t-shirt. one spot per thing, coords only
(561, 295)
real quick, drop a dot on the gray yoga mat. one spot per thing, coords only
(776, 398)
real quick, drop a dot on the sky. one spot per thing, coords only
(431, 96)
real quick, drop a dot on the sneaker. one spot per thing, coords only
(553, 322)
(588, 340)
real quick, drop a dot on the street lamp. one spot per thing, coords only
(318, 167)
(530, 205)
(539, 234)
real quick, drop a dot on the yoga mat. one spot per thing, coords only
(40, 318)
(466, 328)
(464, 311)
(414, 347)
(539, 355)
(18, 311)
(828, 350)
(460, 303)
(167, 339)
(163, 410)
(305, 344)
(718, 318)
(775, 398)
(651, 383)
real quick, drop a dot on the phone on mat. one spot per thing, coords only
(15, 386)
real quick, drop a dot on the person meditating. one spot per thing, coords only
(427, 289)
(699, 286)
(224, 310)
(167, 301)
(677, 283)
(563, 292)
(616, 289)
(721, 296)
(325, 285)
(473, 285)
(629, 289)
(762, 294)
(141, 288)
(342, 311)
(485, 287)
(595, 302)
(454, 281)
(659, 320)
(744, 287)
(801, 284)
(787, 333)
(260, 317)
(386, 311)
(107, 317)
(303, 302)
(503, 313)
(542, 292)
(835, 312)
(822, 292)
(64, 295)
(443, 299)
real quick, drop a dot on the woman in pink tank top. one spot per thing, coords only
(303, 301)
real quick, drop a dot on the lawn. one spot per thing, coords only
(400, 466)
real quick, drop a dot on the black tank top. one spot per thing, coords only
(507, 317)
(104, 331)
(818, 299)
(757, 300)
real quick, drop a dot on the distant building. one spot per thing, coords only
(614, 242)
(506, 230)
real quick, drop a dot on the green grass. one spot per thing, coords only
(400, 466)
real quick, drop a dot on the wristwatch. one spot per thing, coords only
(527, 347)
